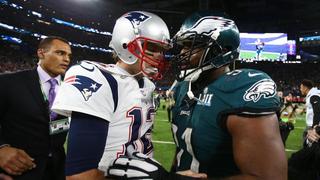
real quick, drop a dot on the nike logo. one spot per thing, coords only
(254, 74)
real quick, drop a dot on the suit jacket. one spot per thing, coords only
(24, 118)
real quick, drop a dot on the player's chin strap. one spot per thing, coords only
(171, 87)
(194, 76)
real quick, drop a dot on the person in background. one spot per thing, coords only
(169, 104)
(312, 95)
(111, 105)
(30, 145)
(259, 48)
(305, 163)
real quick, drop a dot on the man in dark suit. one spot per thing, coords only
(31, 136)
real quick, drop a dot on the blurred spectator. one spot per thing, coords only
(169, 104)
(13, 59)
(312, 105)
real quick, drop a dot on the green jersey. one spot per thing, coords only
(202, 139)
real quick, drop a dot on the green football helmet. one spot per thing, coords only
(213, 33)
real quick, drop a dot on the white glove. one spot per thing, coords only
(138, 166)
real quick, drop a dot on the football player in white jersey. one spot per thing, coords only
(111, 106)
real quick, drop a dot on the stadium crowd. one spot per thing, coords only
(13, 59)
(287, 76)
(20, 57)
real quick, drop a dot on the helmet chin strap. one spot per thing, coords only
(133, 75)
(171, 87)
(194, 77)
(190, 93)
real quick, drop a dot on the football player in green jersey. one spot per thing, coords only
(225, 123)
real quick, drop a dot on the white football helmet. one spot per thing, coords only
(134, 33)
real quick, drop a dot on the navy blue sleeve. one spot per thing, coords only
(315, 102)
(86, 142)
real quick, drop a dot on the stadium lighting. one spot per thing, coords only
(86, 1)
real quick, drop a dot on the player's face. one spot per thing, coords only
(153, 59)
(195, 54)
(303, 90)
(56, 58)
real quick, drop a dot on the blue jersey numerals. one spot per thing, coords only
(135, 114)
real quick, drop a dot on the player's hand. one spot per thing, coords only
(5, 177)
(15, 161)
(312, 135)
(138, 166)
(193, 174)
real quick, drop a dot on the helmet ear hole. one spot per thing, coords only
(124, 45)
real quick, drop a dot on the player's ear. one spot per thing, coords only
(40, 53)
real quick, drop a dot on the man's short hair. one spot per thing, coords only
(46, 42)
(307, 83)
(115, 57)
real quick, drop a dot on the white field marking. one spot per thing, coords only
(291, 150)
(264, 52)
(162, 120)
(163, 142)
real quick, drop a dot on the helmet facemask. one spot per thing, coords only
(214, 34)
(189, 44)
(151, 55)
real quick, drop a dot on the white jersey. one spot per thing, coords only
(309, 110)
(110, 93)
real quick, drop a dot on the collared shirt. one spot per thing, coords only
(44, 80)
(309, 109)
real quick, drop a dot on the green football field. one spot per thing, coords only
(263, 55)
(164, 146)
